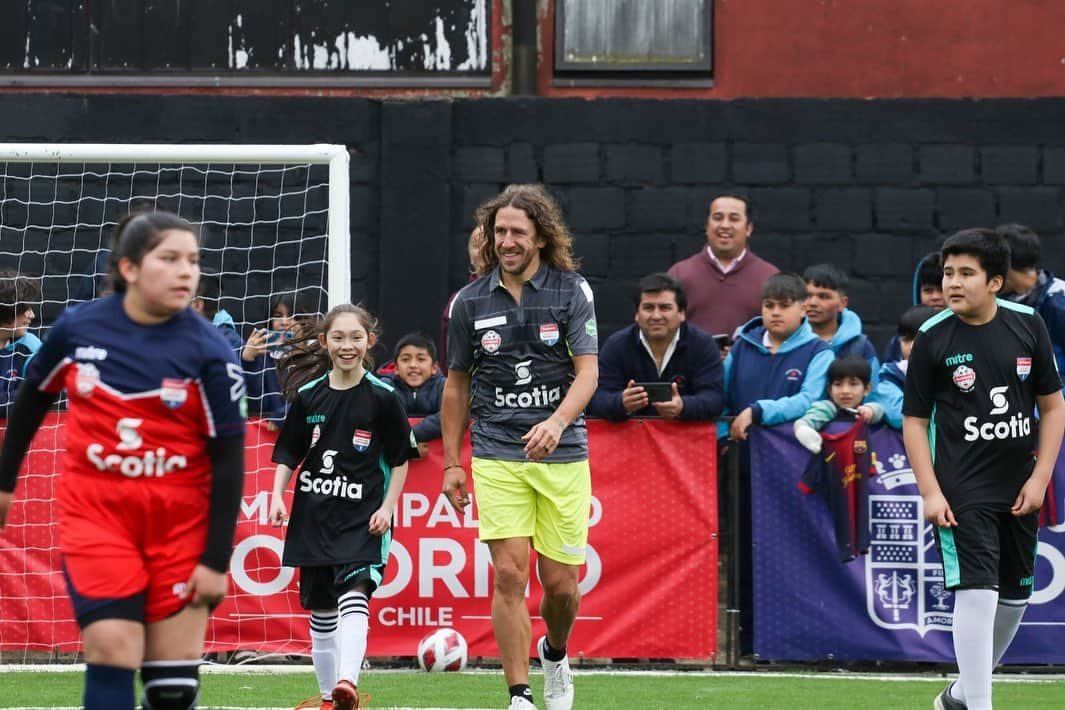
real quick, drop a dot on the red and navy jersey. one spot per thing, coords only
(143, 399)
(840, 474)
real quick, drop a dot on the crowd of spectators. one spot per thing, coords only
(723, 332)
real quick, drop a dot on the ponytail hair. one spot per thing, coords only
(308, 359)
(136, 235)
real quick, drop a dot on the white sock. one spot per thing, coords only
(974, 613)
(1008, 616)
(324, 649)
(354, 626)
(1007, 621)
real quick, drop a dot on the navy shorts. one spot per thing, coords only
(321, 586)
(990, 549)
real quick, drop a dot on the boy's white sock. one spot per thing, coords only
(974, 614)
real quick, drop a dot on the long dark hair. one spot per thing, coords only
(546, 216)
(137, 234)
(308, 358)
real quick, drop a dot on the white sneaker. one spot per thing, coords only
(558, 680)
(517, 703)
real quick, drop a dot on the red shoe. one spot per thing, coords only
(317, 702)
(345, 696)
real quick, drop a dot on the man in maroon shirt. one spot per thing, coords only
(724, 281)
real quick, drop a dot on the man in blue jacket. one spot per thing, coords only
(659, 347)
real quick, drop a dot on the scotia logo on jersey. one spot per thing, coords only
(361, 440)
(1024, 367)
(174, 392)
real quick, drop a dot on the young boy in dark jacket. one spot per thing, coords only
(418, 382)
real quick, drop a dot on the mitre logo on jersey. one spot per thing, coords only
(89, 352)
(491, 341)
(549, 333)
(86, 378)
(174, 392)
(1024, 367)
(361, 440)
(964, 377)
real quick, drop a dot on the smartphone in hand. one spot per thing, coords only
(277, 339)
(657, 391)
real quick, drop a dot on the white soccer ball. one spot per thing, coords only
(442, 650)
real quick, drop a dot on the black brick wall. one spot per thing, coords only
(870, 185)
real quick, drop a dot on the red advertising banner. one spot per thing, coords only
(649, 586)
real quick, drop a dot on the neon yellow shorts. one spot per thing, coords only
(548, 502)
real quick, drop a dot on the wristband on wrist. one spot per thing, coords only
(453, 465)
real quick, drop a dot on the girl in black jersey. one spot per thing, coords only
(348, 435)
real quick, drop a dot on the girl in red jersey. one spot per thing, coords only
(154, 465)
(348, 434)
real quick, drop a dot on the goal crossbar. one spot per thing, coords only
(335, 156)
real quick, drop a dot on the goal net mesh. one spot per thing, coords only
(264, 234)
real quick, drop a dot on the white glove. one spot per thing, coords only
(808, 436)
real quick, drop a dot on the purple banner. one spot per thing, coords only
(887, 605)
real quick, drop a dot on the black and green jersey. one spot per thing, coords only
(520, 357)
(978, 386)
(348, 442)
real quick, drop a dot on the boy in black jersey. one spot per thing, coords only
(977, 373)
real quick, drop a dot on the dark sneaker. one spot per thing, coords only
(945, 701)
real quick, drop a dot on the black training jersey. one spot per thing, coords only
(977, 385)
(349, 441)
(520, 356)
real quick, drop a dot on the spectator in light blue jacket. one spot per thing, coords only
(1033, 286)
(888, 391)
(831, 320)
(18, 294)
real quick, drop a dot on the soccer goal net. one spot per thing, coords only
(274, 232)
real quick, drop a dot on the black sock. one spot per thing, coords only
(552, 654)
(521, 690)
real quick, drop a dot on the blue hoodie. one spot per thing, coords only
(888, 392)
(13, 360)
(892, 351)
(778, 387)
(849, 340)
(224, 322)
